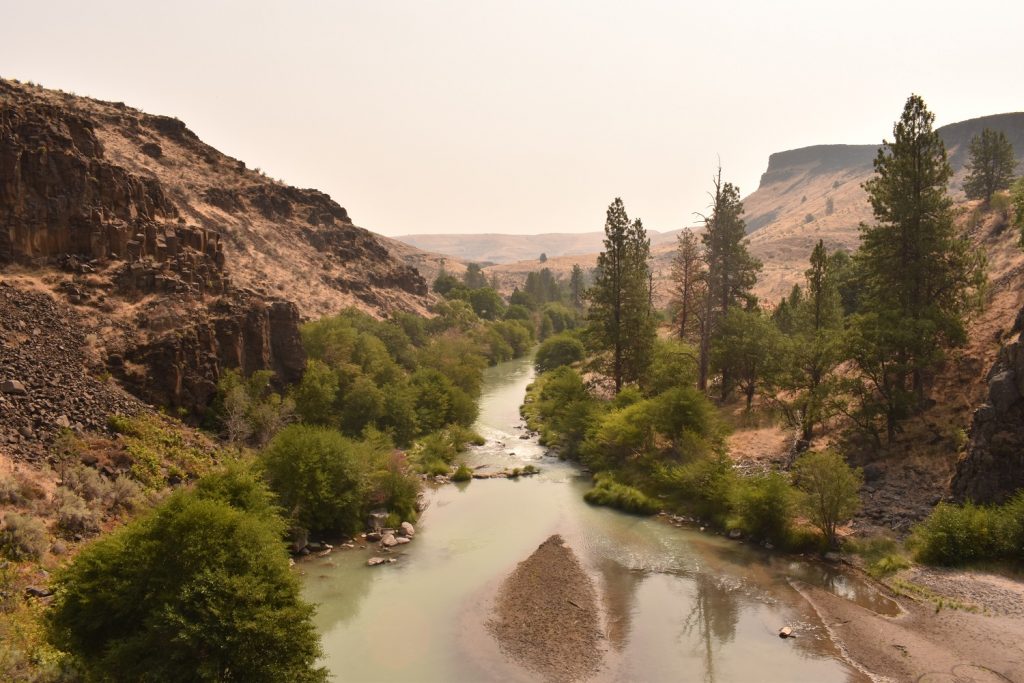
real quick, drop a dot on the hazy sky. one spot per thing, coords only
(521, 116)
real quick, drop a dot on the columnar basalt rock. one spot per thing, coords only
(993, 467)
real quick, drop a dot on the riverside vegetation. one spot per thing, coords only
(851, 353)
(205, 592)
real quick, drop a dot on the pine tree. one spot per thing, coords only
(576, 287)
(990, 168)
(918, 275)
(688, 281)
(622, 323)
(731, 270)
(814, 327)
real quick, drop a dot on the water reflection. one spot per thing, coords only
(712, 620)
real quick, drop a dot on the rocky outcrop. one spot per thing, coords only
(993, 467)
(185, 362)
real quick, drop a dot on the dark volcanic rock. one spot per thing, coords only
(993, 467)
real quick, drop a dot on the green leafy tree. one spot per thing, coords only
(320, 477)
(744, 347)
(830, 490)
(622, 326)
(197, 590)
(557, 351)
(991, 165)
(688, 284)
(731, 271)
(918, 275)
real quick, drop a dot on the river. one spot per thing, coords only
(678, 604)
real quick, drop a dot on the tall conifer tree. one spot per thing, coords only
(991, 165)
(918, 273)
(622, 327)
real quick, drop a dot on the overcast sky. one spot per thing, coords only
(468, 116)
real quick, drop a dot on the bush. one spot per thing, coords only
(955, 535)
(86, 482)
(23, 537)
(763, 507)
(125, 494)
(463, 473)
(198, 589)
(321, 478)
(702, 487)
(611, 493)
(554, 352)
(831, 490)
(74, 516)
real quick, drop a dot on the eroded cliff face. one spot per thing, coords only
(143, 237)
(993, 467)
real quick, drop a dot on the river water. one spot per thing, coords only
(678, 604)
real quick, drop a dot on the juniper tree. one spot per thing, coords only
(621, 323)
(918, 275)
(991, 165)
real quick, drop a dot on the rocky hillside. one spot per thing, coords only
(159, 262)
(805, 195)
(816, 193)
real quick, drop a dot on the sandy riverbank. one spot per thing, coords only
(546, 615)
(979, 639)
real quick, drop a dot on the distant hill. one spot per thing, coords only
(491, 248)
(805, 194)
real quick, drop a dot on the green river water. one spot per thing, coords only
(678, 604)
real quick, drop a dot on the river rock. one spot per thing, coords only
(785, 632)
(407, 529)
(374, 561)
(373, 537)
(735, 534)
(402, 540)
(389, 540)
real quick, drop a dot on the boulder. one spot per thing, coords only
(373, 536)
(401, 540)
(407, 529)
(374, 561)
(13, 386)
(735, 534)
(785, 632)
(1002, 391)
(389, 540)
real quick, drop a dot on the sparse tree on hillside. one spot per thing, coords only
(688, 282)
(918, 275)
(622, 323)
(474, 277)
(543, 258)
(991, 166)
(830, 491)
(576, 287)
(731, 270)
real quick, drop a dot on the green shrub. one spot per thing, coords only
(955, 535)
(86, 482)
(702, 487)
(611, 493)
(74, 515)
(23, 537)
(10, 492)
(462, 473)
(559, 350)
(763, 507)
(198, 589)
(321, 478)
(435, 468)
(831, 490)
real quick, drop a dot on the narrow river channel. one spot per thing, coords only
(678, 604)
